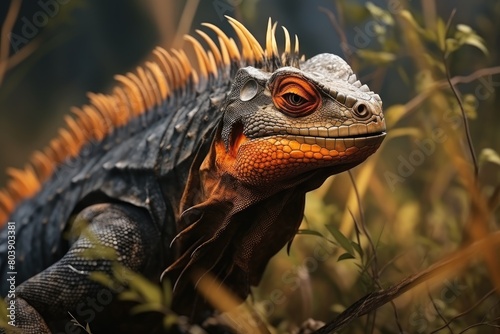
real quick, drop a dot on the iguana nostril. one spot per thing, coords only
(361, 111)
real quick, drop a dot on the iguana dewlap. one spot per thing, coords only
(182, 170)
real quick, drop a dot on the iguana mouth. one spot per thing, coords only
(322, 146)
(313, 137)
(263, 160)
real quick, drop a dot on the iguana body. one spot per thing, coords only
(182, 171)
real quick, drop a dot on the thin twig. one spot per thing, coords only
(475, 75)
(186, 21)
(358, 233)
(390, 262)
(459, 100)
(7, 26)
(374, 267)
(374, 276)
(481, 324)
(372, 324)
(470, 309)
(363, 225)
(412, 105)
(339, 30)
(21, 55)
(78, 324)
(446, 324)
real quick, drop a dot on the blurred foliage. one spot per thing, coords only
(419, 194)
(420, 199)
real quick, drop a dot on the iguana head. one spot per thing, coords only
(286, 125)
(278, 125)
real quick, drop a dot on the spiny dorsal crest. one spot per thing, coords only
(149, 87)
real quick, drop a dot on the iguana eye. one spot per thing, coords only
(294, 99)
(295, 96)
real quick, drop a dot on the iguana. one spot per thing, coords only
(185, 166)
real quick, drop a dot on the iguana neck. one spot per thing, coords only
(232, 229)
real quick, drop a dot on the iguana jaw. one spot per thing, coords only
(265, 160)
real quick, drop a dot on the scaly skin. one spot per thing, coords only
(200, 173)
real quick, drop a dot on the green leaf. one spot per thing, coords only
(489, 169)
(103, 278)
(345, 256)
(377, 57)
(99, 251)
(465, 28)
(310, 232)
(408, 17)
(379, 14)
(476, 41)
(489, 155)
(438, 63)
(452, 45)
(469, 103)
(338, 308)
(441, 34)
(167, 292)
(341, 239)
(150, 292)
(130, 295)
(169, 320)
(466, 35)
